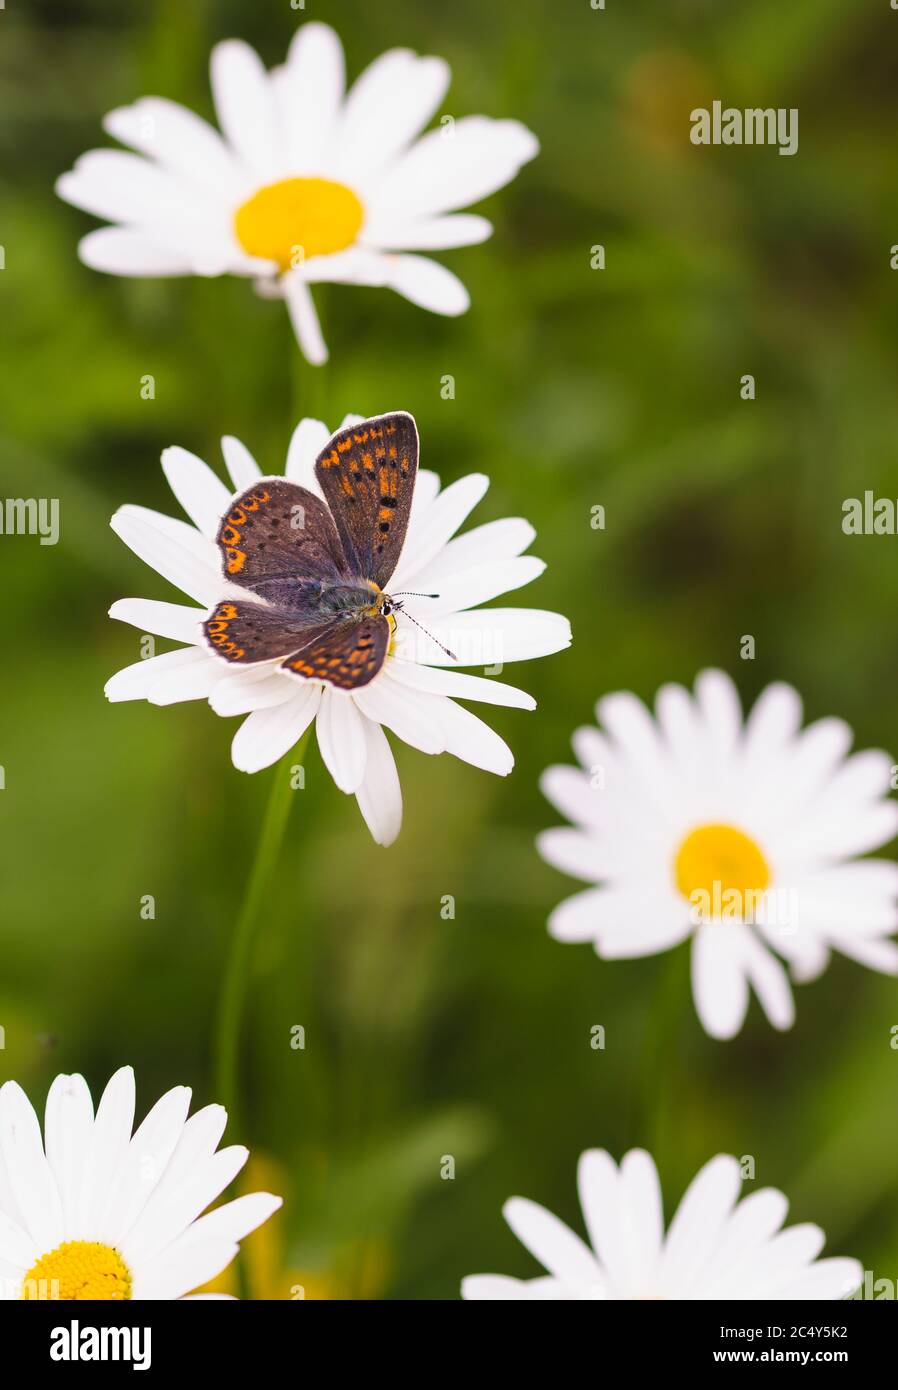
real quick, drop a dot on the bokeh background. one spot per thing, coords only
(470, 1037)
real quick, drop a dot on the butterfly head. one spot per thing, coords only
(390, 604)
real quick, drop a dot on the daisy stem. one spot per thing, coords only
(238, 968)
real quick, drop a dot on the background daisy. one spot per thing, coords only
(717, 1246)
(307, 182)
(740, 834)
(92, 1211)
(415, 693)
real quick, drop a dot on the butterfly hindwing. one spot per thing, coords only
(242, 631)
(277, 535)
(348, 655)
(367, 474)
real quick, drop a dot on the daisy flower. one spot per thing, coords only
(717, 1247)
(93, 1212)
(741, 834)
(415, 691)
(304, 184)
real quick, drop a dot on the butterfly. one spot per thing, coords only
(316, 569)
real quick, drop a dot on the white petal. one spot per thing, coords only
(309, 91)
(240, 463)
(164, 1220)
(718, 701)
(187, 682)
(126, 188)
(623, 1215)
(469, 738)
(260, 688)
(428, 284)
(135, 682)
(775, 718)
(493, 542)
(574, 919)
(341, 739)
(753, 1223)
(175, 550)
(456, 165)
(108, 1146)
(699, 1220)
(174, 620)
(388, 105)
(380, 794)
(143, 1165)
(554, 1245)
(18, 1253)
(477, 585)
(177, 1270)
(422, 281)
(234, 1220)
(30, 1175)
(487, 637)
(440, 522)
(307, 441)
(428, 234)
(357, 265)
(499, 1288)
(244, 102)
(827, 1279)
(267, 734)
(875, 954)
(203, 496)
(719, 984)
(304, 318)
(769, 981)
(459, 685)
(127, 251)
(572, 852)
(68, 1125)
(573, 793)
(193, 1153)
(411, 715)
(179, 139)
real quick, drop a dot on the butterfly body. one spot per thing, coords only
(314, 570)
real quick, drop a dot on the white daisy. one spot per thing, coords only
(304, 184)
(741, 834)
(414, 695)
(94, 1212)
(717, 1247)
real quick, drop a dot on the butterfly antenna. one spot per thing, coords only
(451, 655)
(410, 593)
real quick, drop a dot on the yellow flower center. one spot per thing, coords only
(80, 1269)
(295, 219)
(722, 872)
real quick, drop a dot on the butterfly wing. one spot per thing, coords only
(278, 539)
(348, 655)
(245, 632)
(367, 474)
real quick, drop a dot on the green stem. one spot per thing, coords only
(238, 968)
(659, 1058)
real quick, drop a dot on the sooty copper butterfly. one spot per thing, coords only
(317, 569)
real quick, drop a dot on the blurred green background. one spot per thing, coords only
(575, 386)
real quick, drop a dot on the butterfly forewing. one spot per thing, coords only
(276, 538)
(348, 655)
(242, 631)
(367, 473)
